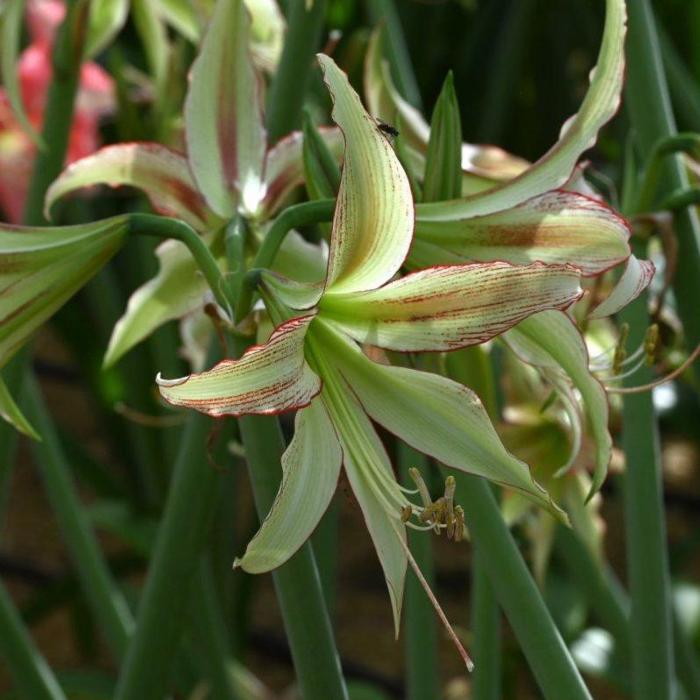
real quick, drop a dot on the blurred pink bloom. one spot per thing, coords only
(95, 98)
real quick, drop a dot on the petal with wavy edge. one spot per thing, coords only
(160, 172)
(578, 134)
(373, 220)
(41, 268)
(482, 165)
(178, 289)
(223, 120)
(267, 379)
(557, 228)
(310, 469)
(634, 280)
(11, 412)
(284, 168)
(551, 341)
(444, 308)
(436, 416)
(372, 480)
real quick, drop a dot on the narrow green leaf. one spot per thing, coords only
(12, 413)
(321, 170)
(443, 167)
(107, 17)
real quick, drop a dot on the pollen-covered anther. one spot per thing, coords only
(620, 351)
(406, 513)
(651, 343)
(459, 524)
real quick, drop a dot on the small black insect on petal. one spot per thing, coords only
(388, 129)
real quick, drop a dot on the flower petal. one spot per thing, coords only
(373, 221)
(557, 227)
(444, 308)
(435, 415)
(578, 134)
(310, 469)
(284, 168)
(552, 342)
(161, 173)
(223, 120)
(178, 289)
(41, 268)
(267, 379)
(634, 280)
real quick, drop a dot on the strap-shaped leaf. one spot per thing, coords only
(551, 341)
(373, 221)
(107, 17)
(634, 280)
(436, 416)
(267, 379)
(557, 227)
(10, 36)
(223, 119)
(578, 134)
(12, 413)
(310, 468)
(444, 308)
(43, 267)
(160, 172)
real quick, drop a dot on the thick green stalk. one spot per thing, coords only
(395, 48)
(106, 600)
(291, 80)
(645, 532)
(420, 631)
(649, 107)
(58, 114)
(30, 672)
(180, 542)
(325, 542)
(684, 89)
(515, 589)
(297, 582)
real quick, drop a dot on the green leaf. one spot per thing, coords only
(183, 17)
(321, 170)
(11, 412)
(557, 227)
(373, 222)
(107, 17)
(310, 469)
(449, 307)
(578, 134)
(267, 379)
(223, 119)
(43, 267)
(160, 172)
(10, 35)
(154, 39)
(443, 167)
(552, 342)
(436, 416)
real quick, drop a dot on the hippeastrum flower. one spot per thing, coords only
(314, 363)
(228, 169)
(525, 213)
(40, 269)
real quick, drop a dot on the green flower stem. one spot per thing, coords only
(645, 528)
(179, 546)
(297, 582)
(106, 600)
(164, 227)
(30, 672)
(395, 48)
(420, 633)
(649, 107)
(289, 84)
(297, 215)
(325, 545)
(682, 84)
(58, 114)
(549, 659)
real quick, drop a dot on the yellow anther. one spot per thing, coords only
(651, 342)
(406, 513)
(620, 352)
(450, 485)
(459, 524)
(420, 485)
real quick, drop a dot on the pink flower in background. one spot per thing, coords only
(95, 98)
